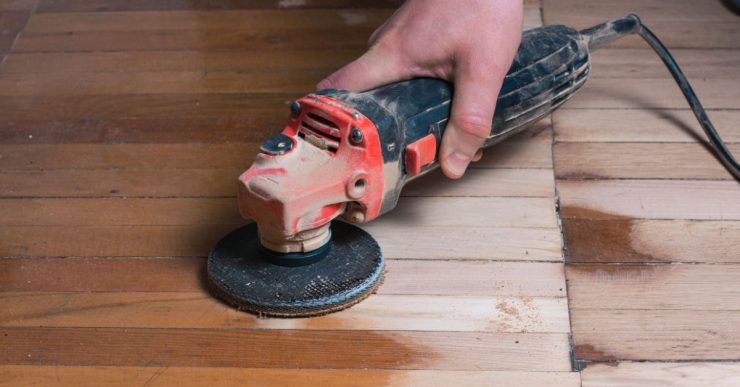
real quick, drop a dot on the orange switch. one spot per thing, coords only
(420, 153)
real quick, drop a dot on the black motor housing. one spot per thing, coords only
(551, 65)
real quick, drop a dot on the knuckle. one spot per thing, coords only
(475, 124)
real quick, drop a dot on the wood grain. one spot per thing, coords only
(403, 277)
(111, 241)
(510, 212)
(17, 5)
(133, 183)
(662, 374)
(667, 335)
(639, 161)
(459, 242)
(198, 376)
(656, 312)
(640, 125)
(644, 63)
(228, 20)
(654, 287)
(615, 93)
(58, 6)
(631, 240)
(201, 310)
(289, 349)
(650, 199)
(171, 82)
(12, 21)
(125, 126)
(176, 40)
(125, 62)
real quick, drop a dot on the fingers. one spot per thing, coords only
(478, 155)
(369, 71)
(476, 90)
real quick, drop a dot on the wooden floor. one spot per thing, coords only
(123, 125)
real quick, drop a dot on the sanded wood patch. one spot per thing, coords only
(201, 310)
(308, 349)
(662, 374)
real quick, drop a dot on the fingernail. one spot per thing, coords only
(457, 163)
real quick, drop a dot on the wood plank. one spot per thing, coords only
(654, 312)
(633, 125)
(497, 243)
(287, 349)
(119, 212)
(650, 199)
(223, 182)
(80, 157)
(126, 62)
(196, 376)
(57, 6)
(175, 40)
(631, 63)
(630, 240)
(12, 21)
(111, 241)
(613, 93)
(201, 310)
(403, 277)
(662, 374)
(521, 152)
(608, 334)
(416, 242)
(411, 211)
(654, 287)
(129, 183)
(639, 160)
(170, 82)
(17, 5)
(231, 20)
(89, 109)
(212, 118)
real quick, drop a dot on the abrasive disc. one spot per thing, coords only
(240, 275)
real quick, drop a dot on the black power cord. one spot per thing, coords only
(605, 33)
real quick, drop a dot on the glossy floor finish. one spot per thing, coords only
(123, 126)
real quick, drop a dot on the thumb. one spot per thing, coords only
(372, 69)
(473, 104)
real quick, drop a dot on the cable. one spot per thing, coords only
(600, 35)
(714, 139)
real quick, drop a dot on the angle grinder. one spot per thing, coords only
(348, 155)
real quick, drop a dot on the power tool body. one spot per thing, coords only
(346, 154)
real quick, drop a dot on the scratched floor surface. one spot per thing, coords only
(123, 128)
(651, 219)
(123, 125)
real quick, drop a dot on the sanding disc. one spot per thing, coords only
(243, 277)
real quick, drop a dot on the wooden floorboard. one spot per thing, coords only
(125, 126)
(662, 374)
(198, 376)
(649, 215)
(308, 349)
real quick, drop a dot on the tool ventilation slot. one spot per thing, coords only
(320, 132)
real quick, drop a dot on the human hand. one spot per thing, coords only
(470, 43)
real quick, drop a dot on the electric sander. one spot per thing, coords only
(346, 155)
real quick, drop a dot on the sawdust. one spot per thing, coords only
(507, 309)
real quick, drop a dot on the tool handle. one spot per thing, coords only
(551, 64)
